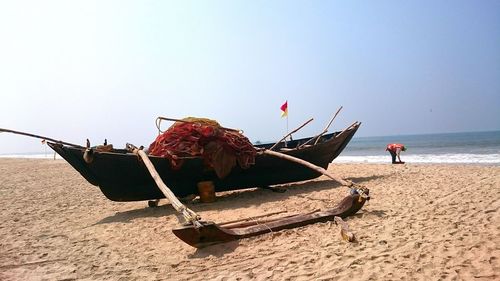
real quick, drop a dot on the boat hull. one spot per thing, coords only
(122, 176)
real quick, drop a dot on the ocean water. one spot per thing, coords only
(470, 147)
(466, 148)
(34, 155)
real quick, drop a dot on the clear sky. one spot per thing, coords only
(73, 70)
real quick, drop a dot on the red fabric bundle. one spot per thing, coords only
(220, 148)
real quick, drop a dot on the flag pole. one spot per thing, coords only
(287, 126)
(287, 131)
(284, 113)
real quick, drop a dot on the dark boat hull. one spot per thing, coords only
(121, 176)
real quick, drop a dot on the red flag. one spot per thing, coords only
(284, 109)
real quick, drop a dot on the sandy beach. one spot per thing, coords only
(424, 222)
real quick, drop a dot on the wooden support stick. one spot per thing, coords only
(362, 191)
(188, 214)
(346, 234)
(327, 126)
(322, 133)
(307, 164)
(308, 121)
(251, 218)
(348, 128)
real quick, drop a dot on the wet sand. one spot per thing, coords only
(424, 222)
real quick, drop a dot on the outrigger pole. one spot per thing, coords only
(39, 137)
(350, 184)
(189, 215)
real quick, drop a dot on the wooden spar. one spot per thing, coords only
(158, 123)
(322, 133)
(211, 233)
(327, 126)
(308, 121)
(251, 218)
(308, 165)
(348, 128)
(255, 220)
(39, 137)
(360, 190)
(188, 214)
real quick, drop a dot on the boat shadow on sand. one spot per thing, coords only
(252, 197)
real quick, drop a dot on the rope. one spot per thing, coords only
(257, 222)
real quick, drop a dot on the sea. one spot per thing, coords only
(465, 148)
(451, 148)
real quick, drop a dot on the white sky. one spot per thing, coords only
(106, 69)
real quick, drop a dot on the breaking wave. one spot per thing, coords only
(425, 158)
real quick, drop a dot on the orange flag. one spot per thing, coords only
(284, 109)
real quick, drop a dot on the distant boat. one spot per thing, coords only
(122, 177)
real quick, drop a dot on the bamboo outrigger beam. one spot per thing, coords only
(361, 190)
(39, 137)
(188, 214)
(308, 165)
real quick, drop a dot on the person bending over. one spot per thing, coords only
(395, 149)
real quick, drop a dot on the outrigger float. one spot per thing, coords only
(131, 174)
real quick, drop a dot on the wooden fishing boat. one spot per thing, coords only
(122, 176)
(131, 175)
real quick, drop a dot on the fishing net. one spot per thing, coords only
(221, 149)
